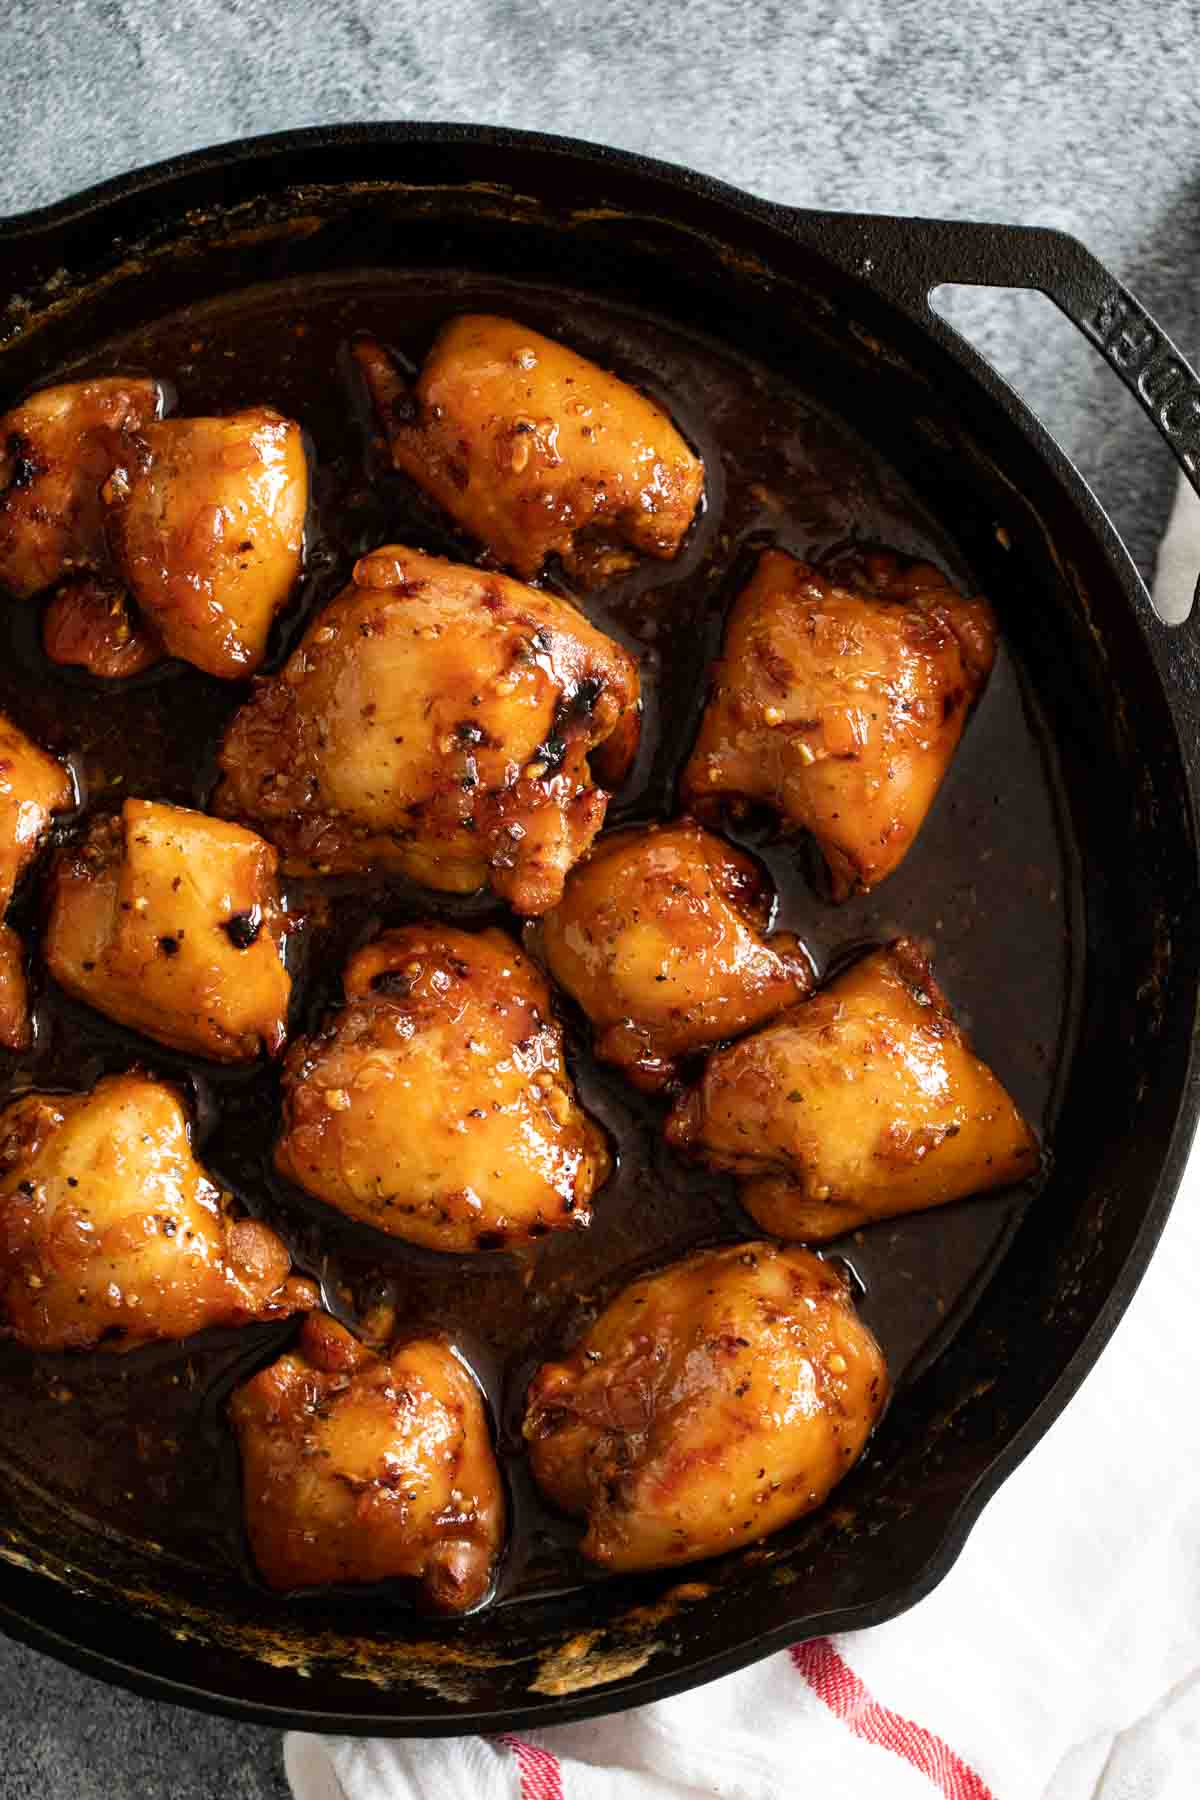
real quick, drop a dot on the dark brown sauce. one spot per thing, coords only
(138, 1444)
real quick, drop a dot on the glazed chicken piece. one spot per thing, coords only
(660, 938)
(436, 722)
(171, 922)
(860, 1104)
(206, 525)
(360, 1467)
(534, 450)
(33, 786)
(57, 449)
(90, 624)
(111, 1233)
(436, 1105)
(708, 1406)
(15, 1030)
(839, 706)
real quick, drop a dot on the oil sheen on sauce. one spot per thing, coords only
(138, 1444)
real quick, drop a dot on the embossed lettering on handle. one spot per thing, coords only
(1148, 362)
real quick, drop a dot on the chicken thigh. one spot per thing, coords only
(839, 706)
(435, 722)
(534, 450)
(171, 922)
(361, 1467)
(709, 1405)
(57, 449)
(436, 1105)
(859, 1104)
(111, 1233)
(33, 787)
(206, 523)
(660, 938)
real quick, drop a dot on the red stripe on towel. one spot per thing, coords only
(540, 1770)
(834, 1681)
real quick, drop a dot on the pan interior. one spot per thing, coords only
(118, 1474)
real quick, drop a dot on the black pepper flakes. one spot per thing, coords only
(243, 928)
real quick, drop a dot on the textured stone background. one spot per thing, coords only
(1051, 112)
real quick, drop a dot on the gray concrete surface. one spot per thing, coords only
(1057, 112)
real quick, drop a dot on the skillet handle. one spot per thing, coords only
(921, 254)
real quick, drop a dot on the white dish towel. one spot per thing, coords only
(1059, 1659)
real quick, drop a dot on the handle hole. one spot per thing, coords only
(1096, 420)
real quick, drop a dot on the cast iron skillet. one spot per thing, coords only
(846, 299)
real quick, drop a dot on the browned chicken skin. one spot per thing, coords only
(436, 1105)
(434, 722)
(171, 922)
(111, 1233)
(15, 1027)
(360, 1467)
(660, 937)
(206, 524)
(840, 706)
(709, 1405)
(534, 450)
(33, 786)
(859, 1104)
(57, 449)
(89, 623)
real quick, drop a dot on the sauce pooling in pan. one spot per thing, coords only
(140, 1443)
